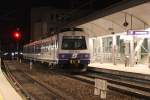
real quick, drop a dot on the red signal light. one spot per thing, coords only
(17, 35)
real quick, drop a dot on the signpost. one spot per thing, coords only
(100, 88)
(17, 38)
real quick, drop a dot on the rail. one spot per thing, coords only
(138, 87)
(132, 86)
(51, 90)
(15, 83)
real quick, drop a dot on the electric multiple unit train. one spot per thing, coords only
(69, 49)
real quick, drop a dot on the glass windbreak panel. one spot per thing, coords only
(120, 45)
(107, 45)
(74, 43)
(144, 47)
(144, 52)
(120, 54)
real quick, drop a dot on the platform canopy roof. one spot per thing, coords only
(137, 18)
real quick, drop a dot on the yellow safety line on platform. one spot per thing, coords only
(1, 98)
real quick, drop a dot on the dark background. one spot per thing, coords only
(16, 14)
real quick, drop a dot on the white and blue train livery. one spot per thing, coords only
(69, 49)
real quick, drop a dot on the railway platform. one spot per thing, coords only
(7, 92)
(139, 71)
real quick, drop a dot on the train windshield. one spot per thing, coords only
(74, 43)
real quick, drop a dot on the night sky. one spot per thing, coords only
(17, 19)
(16, 14)
(13, 15)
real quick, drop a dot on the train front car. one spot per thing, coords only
(73, 51)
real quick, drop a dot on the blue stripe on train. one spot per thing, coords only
(69, 56)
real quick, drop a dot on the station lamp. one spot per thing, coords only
(125, 24)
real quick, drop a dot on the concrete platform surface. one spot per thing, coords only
(7, 92)
(138, 69)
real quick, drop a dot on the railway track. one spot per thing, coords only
(34, 89)
(128, 85)
(21, 90)
(132, 86)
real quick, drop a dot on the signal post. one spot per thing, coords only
(17, 37)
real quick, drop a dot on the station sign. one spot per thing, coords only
(139, 33)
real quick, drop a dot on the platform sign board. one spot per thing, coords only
(139, 33)
(100, 88)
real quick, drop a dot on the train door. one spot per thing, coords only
(54, 49)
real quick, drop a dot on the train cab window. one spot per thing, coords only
(74, 43)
